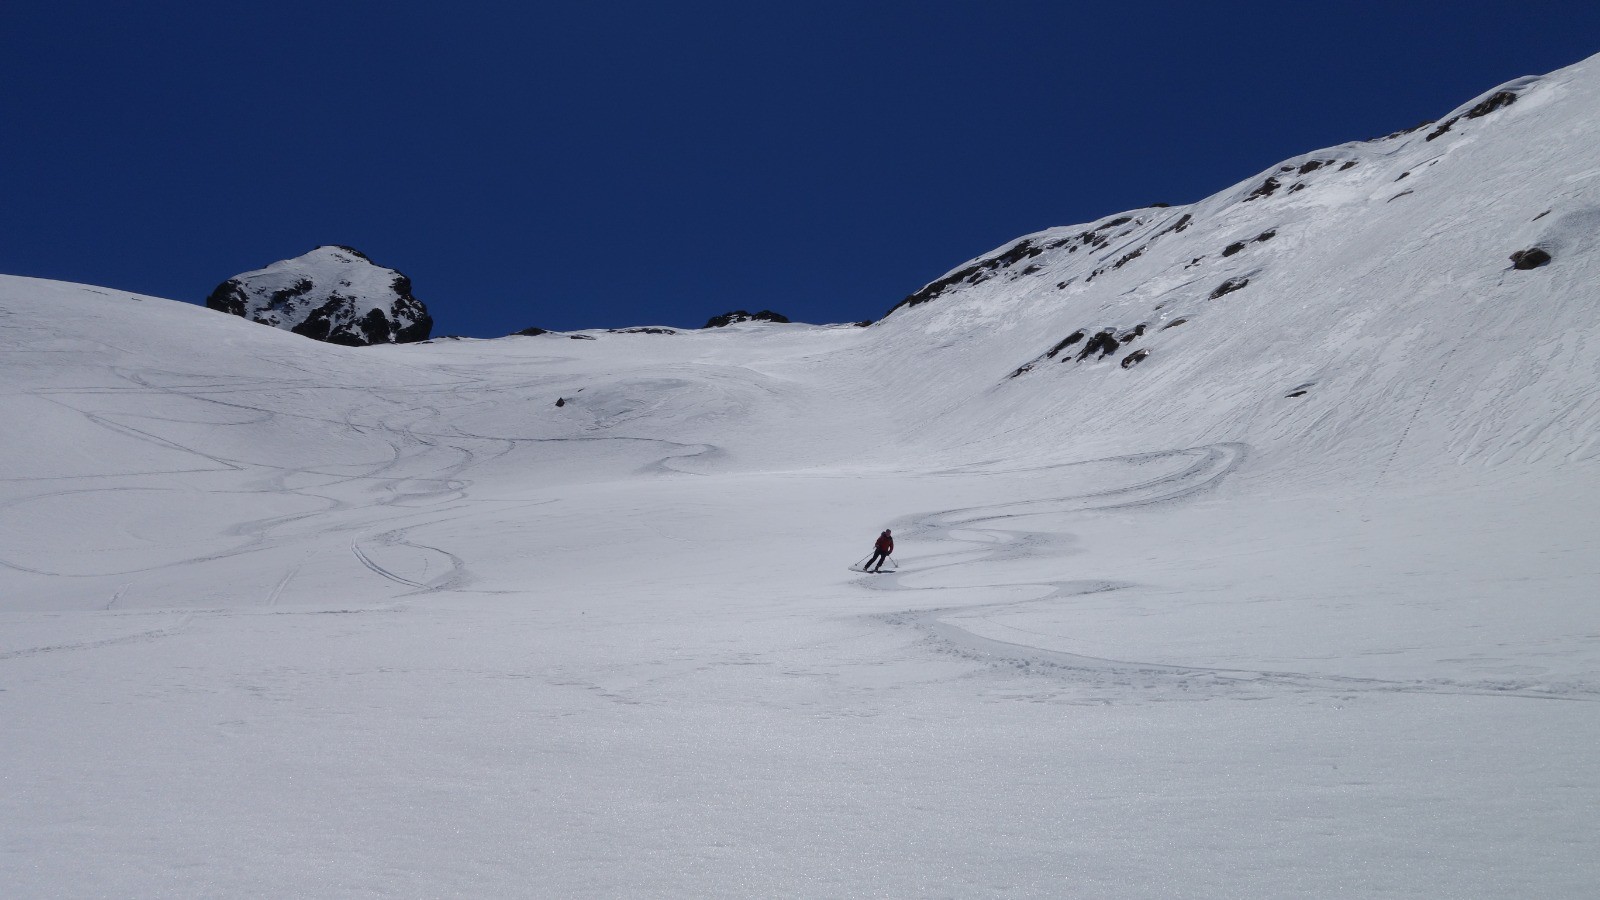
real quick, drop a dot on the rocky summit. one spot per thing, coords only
(334, 294)
(740, 316)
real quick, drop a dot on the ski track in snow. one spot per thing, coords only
(973, 526)
(413, 447)
(141, 637)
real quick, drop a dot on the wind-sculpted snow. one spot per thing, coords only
(1261, 615)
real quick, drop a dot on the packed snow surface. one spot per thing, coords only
(1301, 602)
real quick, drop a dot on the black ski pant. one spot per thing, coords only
(879, 557)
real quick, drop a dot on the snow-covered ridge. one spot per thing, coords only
(1336, 293)
(1119, 240)
(334, 294)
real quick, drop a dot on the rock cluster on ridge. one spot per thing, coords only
(334, 294)
(739, 315)
(1324, 236)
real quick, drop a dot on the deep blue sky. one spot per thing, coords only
(593, 164)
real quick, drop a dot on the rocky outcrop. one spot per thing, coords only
(1228, 287)
(1531, 258)
(739, 315)
(1103, 343)
(1267, 189)
(1236, 246)
(997, 264)
(1499, 100)
(333, 294)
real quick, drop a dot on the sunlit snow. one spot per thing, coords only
(1301, 603)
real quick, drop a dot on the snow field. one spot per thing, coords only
(1301, 605)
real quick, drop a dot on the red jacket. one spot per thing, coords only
(885, 543)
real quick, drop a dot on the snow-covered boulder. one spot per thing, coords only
(334, 294)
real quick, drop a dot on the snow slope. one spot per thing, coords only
(1301, 603)
(1385, 292)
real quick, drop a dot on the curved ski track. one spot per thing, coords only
(974, 527)
(424, 470)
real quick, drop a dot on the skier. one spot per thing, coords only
(880, 552)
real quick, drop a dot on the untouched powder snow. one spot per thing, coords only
(1299, 603)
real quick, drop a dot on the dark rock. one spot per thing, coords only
(1135, 333)
(977, 273)
(560, 402)
(1236, 246)
(582, 337)
(1103, 343)
(1398, 196)
(1023, 250)
(1177, 226)
(1066, 342)
(1173, 324)
(739, 315)
(530, 332)
(1500, 100)
(228, 298)
(1311, 166)
(1266, 189)
(1229, 286)
(1403, 132)
(1542, 215)
(1349, 165)
(1299, 186)
(647, 330)
(1134, 358)
(1128, 259)
(1403, 175)
(1531, 258)
(334, 294)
